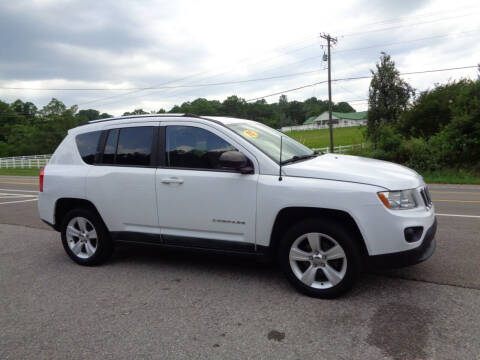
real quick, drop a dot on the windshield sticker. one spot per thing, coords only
(250, 133)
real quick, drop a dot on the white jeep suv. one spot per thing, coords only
(237, 186)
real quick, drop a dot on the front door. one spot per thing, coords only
(199, 204)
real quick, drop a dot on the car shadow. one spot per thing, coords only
(198, 259)
(251, 268)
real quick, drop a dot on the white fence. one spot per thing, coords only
(24, 162)
(318, 126)
(342, 148)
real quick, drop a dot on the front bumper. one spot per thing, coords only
(408, 257)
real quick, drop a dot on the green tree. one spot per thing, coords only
(135, 112)
(105, 116)
(388, 97)
(343, 107)
(91, 114)
(460, 139)
(295, 112)
(234, 106)
(431, 111)
(314, 107)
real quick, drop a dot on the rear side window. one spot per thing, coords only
(135, 146)
(129, 146)
(194, 148)
(87, 145)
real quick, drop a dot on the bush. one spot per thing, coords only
(432, 110)
(440, 131)
(418, 155)
(4, 149)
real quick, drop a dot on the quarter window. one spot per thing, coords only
(194, 148)
(135, 146)
(87, 145)
(129, 146)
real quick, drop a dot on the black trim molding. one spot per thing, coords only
(189, 242)
(226, 245)
(136, 237)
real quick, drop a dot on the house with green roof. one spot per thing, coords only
(339, 120)
(342, 119)
(309, 121)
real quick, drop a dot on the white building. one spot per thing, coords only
(339, 120)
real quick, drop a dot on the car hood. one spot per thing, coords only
(356, 169)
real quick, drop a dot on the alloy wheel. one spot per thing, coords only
(82, 237)
(318, 260)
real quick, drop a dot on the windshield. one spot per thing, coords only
(268, 141)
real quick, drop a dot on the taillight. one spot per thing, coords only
(40, 179)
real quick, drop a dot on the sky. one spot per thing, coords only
(117, 51)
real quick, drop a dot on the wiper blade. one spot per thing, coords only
(298, 158)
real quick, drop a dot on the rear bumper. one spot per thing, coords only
(408, 257)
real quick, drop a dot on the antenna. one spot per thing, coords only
(280, 169)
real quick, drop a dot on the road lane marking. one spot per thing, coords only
(15, 195)
(15, 202)
(10, 196)
(456, 215)
(454, 192)
(458, 201)
(17, 183)
(34, 191)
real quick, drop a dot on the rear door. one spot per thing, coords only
(199, 204)
(122, 183)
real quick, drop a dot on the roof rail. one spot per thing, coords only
(143, 116)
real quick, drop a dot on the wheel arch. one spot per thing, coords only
(64, 205)
(288, 216)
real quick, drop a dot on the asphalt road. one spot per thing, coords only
(155, 304)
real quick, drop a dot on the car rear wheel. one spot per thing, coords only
(85, 237)
(320, 258)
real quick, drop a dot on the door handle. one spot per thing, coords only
(171, 181)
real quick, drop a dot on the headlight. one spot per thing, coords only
(398, 200)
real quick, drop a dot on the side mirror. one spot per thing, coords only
(235, 160)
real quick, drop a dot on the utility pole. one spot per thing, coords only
(330, 41)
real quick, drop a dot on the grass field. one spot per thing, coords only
(452, 176)
(321, 138)
(16, 172)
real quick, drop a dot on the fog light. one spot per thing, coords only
(413, 233)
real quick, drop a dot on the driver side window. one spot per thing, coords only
(193, 148)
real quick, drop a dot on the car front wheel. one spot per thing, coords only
(320, 258)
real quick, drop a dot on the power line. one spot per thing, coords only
(406, 41)
(226, 71)
(358, 78)
(286, 46)
(193, 75)
(155, 87)
(406, 18)
(407, 25)
(230, 82)
(169, 87)
(318, 83)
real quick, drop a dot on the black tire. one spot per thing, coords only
(335, 230)
(104, 244)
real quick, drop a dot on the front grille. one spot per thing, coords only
(426, 197)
